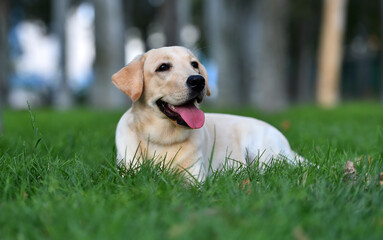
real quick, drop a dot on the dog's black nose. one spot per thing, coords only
(196, 83)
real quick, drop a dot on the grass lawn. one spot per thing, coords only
(58, 180)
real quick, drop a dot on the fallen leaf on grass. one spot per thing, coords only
(177, 230)
(381, 179)
(299, 234)
(349, 171)
(246, 184)
(286, 125)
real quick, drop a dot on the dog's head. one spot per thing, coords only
(170, 80)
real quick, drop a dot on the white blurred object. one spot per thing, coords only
(156, 40)
(80, 44)
(19, 98)
(133, 47)
(190, 34)
(39, 51)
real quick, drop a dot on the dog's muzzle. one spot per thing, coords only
(196, 83)
(187, 113)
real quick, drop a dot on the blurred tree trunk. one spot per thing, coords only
(269, 88)
(110, 53)
(175, 14)
(305, 62)
(330, 55)
(171, 22)
(3, 57)
(63, 97)
(247, 16)
(184, 15)
(224, 44)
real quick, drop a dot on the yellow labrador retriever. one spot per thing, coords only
(166, 86)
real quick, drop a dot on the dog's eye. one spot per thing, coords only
(163, 67)
(194, 64)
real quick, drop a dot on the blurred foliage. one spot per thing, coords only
(361, 15)
(363, 23)
(32, 9)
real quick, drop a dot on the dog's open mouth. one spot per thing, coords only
(186, 114)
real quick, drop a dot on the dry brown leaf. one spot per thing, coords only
(299, 234)
(349, 171)
(381, 179)
(286, 125)
(246, 184)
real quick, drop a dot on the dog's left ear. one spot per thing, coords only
(130, 79)
(204, 74)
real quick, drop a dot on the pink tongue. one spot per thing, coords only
(194, 117)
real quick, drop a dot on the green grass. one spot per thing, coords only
(59, 180)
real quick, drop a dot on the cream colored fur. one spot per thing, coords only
(145, 129)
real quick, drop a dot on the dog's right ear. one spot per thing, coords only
(130, 78)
